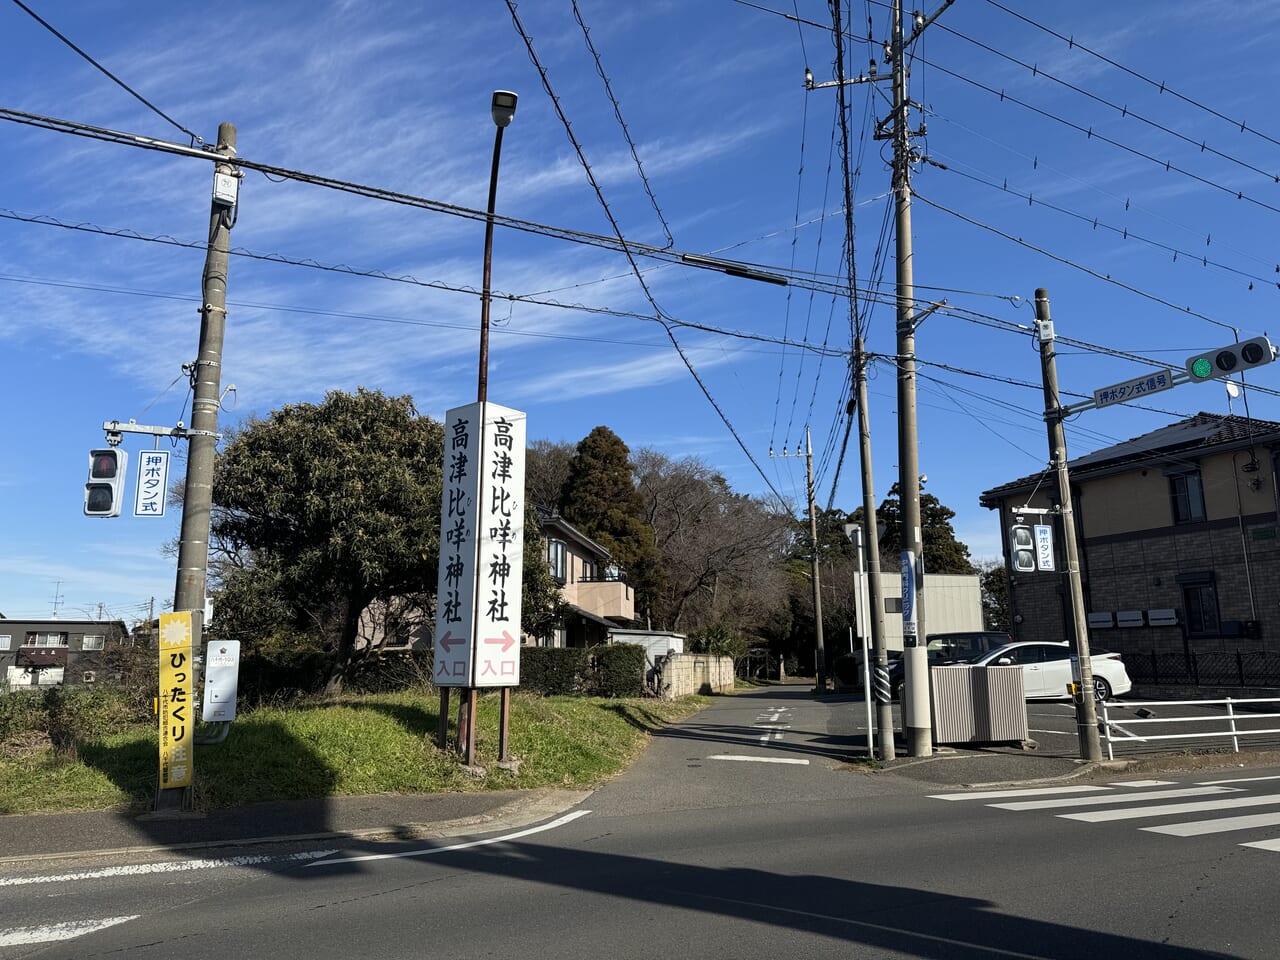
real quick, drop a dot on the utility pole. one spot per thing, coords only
(817, 586)
(1086, 715)
(916, 711)
(820, 665)
(871, 537)
(202, 437)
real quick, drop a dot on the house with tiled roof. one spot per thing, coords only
(1179, 552)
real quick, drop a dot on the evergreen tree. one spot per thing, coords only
(600, 499)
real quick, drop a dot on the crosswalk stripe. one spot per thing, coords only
(1263, 844)
(1239, 780)
(1161, 810)
(1111, 798)
(51, 933)
(1153, 783)
(1198, 828)
(1022, 792)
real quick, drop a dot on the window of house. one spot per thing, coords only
(92, 642)
(556, 559)
(45, 640)
(5, 642)
(1187, 495)
(588, 570)
(1200, 600)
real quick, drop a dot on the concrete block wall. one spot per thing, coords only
(689, 673)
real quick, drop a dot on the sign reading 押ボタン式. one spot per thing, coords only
(177, 720)
(153, 484)
(478, 593)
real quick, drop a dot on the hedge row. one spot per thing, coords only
(616, 670)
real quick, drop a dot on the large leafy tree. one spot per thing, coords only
(600, 499)
(720, 550)
(341, 500)
(994, 581)
(943, 553)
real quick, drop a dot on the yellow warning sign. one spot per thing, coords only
(177, 719)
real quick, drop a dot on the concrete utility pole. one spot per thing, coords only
(817, 586)
(202, 436)
(916, 711)
(1086, 714)
(871, 538)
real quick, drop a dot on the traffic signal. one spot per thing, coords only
(104, 490)
(1233, 358)
(1022, 548)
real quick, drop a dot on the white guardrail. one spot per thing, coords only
(1225, 724)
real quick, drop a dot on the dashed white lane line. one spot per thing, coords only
(50, 933)
(169, 866)
(559, 822)
(734, 756)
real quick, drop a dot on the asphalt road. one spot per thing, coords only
(741, 833)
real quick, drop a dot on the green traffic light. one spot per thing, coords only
(1201, 367)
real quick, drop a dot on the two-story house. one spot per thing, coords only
(1179, 550)
(596, 594)
(44, 653)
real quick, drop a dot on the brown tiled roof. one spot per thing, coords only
(1204, 431)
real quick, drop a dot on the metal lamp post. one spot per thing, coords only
(503, 110)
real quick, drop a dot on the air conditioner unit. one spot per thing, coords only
(90, 676)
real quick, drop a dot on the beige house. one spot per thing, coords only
(1179, 554)
(596, 594)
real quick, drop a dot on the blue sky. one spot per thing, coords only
(741, 163)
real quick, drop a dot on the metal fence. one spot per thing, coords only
(1206, 724)
(1226, 669)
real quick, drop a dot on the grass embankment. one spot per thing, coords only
(357, 744)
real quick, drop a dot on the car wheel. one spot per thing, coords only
(1101, 689)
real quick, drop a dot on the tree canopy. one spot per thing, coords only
(601, 500)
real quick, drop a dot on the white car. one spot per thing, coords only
(1046, 669)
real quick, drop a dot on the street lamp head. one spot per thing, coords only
(503, 107)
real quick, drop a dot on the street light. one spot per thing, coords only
(503, 109)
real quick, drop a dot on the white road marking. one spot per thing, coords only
(1060, 733)
(1129, 735)
(1152, 783)
(1161, 810)
(169, 866)
(1263, 844)
(734, 756)
(1240, 780)
(560, 822)
(1113, 798)
(1199, 827)
(1021, 792)
(17, 936)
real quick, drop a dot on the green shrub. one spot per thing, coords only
(390, 670)
(618, 670)
(554, 671)
(21, 711)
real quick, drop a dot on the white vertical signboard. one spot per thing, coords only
(477, 636)
(1044, 547)
(153, 484)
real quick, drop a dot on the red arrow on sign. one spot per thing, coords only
(449, 641)
(507, 640)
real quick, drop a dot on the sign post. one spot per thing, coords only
(477, 631)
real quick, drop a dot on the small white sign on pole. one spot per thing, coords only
(1044, 546)
(478, 605)
(153, 484)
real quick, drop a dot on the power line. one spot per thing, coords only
(1161, 86)
(626, 133)
(195, 138)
